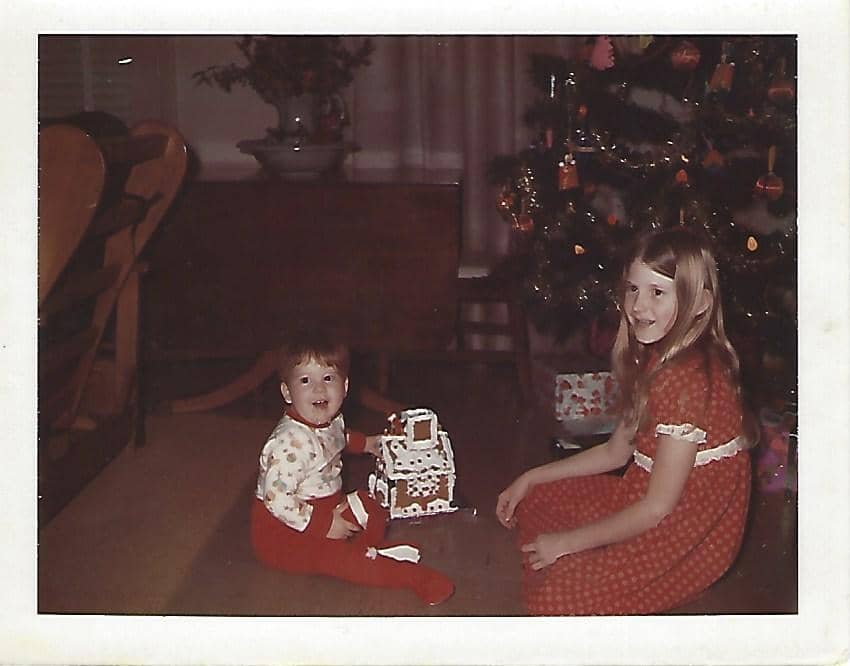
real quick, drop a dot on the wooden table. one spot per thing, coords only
(246, 255)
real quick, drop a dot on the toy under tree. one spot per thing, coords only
(645, 132)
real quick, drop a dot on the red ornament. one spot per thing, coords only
(685, 56)
(781, 89)
(581, 112)
(721, 80)
(612, 220)
(713, 159)
(770, 185)
(681, 177)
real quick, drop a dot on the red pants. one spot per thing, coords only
(281, 547)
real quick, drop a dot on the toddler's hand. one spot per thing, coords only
(508, 500)
(340, 528)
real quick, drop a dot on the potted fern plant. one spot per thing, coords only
(301, 76)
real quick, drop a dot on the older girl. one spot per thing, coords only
(659, 534)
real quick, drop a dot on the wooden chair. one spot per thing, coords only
(477, 286)
(89, 272)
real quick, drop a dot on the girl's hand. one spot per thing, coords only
(509, 498)
(340, 528)
(545, 549)
(372, 445)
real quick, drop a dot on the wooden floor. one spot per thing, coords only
(163, 530)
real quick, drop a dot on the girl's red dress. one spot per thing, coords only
(688, 550)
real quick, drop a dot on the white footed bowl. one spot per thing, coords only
(292, 161)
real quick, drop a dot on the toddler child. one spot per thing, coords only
(655, 537)
(301, 521)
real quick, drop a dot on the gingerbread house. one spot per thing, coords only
(415, 471)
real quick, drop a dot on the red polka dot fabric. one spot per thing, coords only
(673, 562)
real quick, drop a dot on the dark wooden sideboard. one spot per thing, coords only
(245, 256)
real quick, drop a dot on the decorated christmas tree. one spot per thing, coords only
(643, 132)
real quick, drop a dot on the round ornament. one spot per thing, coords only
(770, 185)
(781, 88)
(685, 57)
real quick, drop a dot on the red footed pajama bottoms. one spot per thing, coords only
(278, 546)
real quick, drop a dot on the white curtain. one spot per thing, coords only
(449, 102)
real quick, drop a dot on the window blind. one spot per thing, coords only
(85, 73)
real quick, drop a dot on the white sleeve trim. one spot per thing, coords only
(687, 431)
(703, 457)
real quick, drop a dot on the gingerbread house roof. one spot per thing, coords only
(421, 446)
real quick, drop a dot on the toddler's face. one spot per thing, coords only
(315, 390)
(650, 303)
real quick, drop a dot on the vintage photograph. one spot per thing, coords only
(493, 328)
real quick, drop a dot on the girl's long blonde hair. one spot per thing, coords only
(686, 258)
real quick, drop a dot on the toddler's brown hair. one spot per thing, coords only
(317, 345)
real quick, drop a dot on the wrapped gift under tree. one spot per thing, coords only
(586, 403)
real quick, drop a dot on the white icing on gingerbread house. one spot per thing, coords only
(415, 471)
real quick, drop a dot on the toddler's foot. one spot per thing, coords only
(434, 588)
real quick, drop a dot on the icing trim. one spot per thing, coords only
(704, 457)
(400, 553)
(357, 508)
(687, 431)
